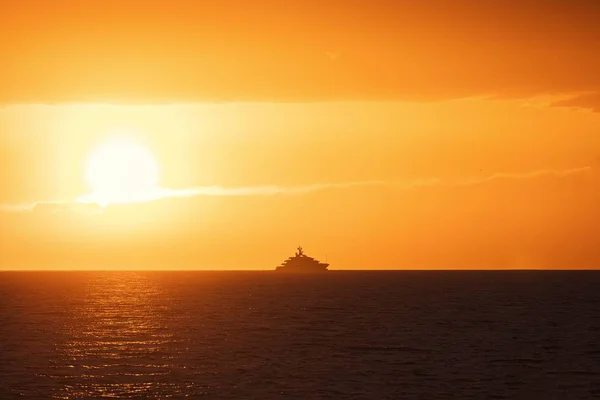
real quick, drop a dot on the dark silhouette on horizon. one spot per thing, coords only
(301, 263)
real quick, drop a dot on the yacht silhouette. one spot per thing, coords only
(300, 262)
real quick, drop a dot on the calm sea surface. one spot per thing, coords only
(263, 335)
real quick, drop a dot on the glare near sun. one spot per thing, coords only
(121, 171)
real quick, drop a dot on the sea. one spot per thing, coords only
(266, 335)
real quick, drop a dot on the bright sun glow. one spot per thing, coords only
(121, 171)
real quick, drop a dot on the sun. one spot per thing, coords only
(121, 171)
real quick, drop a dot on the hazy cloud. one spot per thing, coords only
(590, 101)
(195, 51)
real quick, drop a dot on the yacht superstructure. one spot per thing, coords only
(300, 262)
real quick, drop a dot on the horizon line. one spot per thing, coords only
(329, 270)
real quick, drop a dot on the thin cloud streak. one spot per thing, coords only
(17, 207)
(264, 190)
(527, 175)
(271, 190)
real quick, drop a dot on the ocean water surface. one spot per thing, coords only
(265, 335)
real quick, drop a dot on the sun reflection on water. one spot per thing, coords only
(118, 343)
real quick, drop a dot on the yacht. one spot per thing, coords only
(300, 262)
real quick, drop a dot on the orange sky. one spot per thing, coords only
(385, 134)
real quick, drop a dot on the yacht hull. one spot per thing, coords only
(303, 270)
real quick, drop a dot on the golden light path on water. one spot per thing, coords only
(119, 343)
